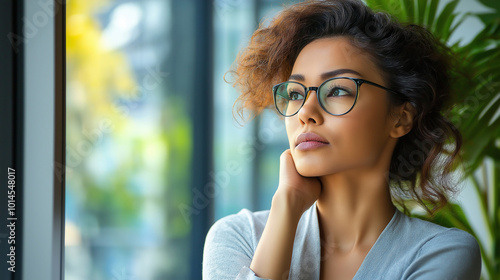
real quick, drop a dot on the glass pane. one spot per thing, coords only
(128, 141)
(246, 154)
(233, 25)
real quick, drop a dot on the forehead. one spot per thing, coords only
(327, 54)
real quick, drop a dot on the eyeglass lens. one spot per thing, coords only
(336, 96)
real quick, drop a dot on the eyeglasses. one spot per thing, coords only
(337, 96)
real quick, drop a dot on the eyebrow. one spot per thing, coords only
(326, 75)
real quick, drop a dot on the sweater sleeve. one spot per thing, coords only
(229, 249)
(453, 254)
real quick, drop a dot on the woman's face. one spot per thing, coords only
(357, 141)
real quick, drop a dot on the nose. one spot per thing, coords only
(311, 112)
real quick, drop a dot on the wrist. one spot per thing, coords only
(288, 206)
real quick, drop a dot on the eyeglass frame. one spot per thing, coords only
(357, 81)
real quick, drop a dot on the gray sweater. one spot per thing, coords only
(408, 248)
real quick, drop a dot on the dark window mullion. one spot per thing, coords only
(59, 140)
(11, 126)
(202, 116)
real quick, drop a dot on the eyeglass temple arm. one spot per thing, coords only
(361, 81)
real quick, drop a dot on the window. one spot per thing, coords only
(129, 138)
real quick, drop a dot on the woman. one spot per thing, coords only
(361, 96)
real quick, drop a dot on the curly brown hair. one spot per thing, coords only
(413, 62)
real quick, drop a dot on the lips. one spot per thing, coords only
(310, 140)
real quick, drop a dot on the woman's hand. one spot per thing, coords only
(295, 192)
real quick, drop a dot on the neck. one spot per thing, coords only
(353, 210)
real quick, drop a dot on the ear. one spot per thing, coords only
(403, 120)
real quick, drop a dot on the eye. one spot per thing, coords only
(339, 92)
(294, 95)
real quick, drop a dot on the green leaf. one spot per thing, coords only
(486, 54)
(488, 17)
(494, 153)
(430, 14)
(450, 216)
(495, 4)
(379, 4)
(445, 19)
(408, 7)
(420, 11)
(496, 195)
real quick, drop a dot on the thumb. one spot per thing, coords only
(287, 165)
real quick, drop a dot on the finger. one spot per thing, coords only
(286, 161)
(287, 165)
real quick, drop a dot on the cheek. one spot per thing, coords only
(366, 134)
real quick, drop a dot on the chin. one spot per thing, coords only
(309, 170)
(310, 165)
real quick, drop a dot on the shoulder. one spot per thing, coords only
(452, 241)
(442, 253)
(451, 237)
(240, 231)
(230, 244)
(244, 222)
(429, 235)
